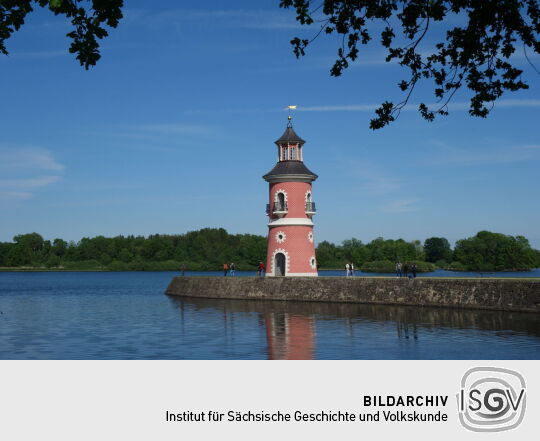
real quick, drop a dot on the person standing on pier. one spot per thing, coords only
(232, 269)
(405, 269)
(225, 269)
(413, 269)
(398, 269)
(352, 269)
(347, 270)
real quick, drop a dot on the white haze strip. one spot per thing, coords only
(459, 105)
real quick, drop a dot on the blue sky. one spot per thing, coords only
(174, 127)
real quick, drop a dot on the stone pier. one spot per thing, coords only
(497, 294)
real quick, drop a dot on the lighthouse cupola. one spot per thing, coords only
(291, 249)
(290, 144)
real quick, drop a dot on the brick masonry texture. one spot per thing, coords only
(497, 294)
(296, 246)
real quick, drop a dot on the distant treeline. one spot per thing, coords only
(484, 252)
(209, 248)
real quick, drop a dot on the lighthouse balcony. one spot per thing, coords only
(278, 209)
(310, 208)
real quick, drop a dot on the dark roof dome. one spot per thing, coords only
(289, 135)
(290, 168)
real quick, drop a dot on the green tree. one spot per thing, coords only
(329, 255)
(537, 260)
(474, 53)
(28, 249)
(125, 255)
(88, 19)
(391, 250)
(17, 257)
(209, 248)
(53, 261)
(353, 250)
(489, 251)
(32, 242)
(59, 247)
(437, 248)
(4, 252)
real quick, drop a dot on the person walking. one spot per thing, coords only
(225, 269)
(414, 270)
(347, 270)
(405, 269)
(398, 269)
(352, 269)
(232, 269)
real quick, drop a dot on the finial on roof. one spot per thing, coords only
(289, 117)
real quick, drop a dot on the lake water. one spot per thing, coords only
(90, 315)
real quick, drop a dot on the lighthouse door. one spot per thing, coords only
(279, 264)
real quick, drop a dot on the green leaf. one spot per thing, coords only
(55, 3)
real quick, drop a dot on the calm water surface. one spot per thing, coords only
(90, 315)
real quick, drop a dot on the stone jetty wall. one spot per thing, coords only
(499, 294)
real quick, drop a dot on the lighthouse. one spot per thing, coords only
(291, 248)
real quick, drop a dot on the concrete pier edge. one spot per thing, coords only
(497, 294)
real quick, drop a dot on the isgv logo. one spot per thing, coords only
(491, 399)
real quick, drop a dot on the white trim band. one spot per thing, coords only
(295, 275)
(286, 221)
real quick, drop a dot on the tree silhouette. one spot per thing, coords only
(87, 17)
(476, 54)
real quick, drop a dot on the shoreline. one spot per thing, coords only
(390, 274)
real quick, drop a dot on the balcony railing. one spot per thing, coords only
(310, 208)
(277, 208)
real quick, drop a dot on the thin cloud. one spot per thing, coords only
(453, 156)
(399, 206)
(28, 158)
(239, 18)
(342, 108)
(372, 180)
(15, 195)
(366, 107)
(29, 183)
(173, 128)
(36, 55)
(26, 169)
(151, 131)
(458, 105)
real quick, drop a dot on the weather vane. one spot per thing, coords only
(289, 117)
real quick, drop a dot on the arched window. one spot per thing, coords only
(280, 202)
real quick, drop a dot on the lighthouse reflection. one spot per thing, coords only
(289, 336)
(240, 329)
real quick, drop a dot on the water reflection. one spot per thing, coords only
(289, 336)
(290, 328)
(126, 316)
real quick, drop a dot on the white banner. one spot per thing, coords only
(263, 400)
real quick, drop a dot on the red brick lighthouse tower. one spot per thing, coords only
(291, 249)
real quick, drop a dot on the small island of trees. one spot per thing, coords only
(207, 249)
